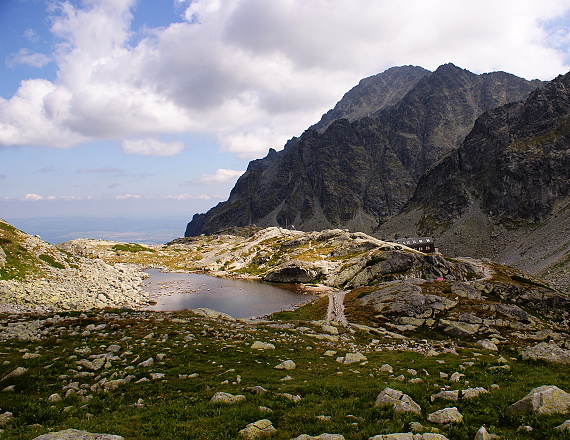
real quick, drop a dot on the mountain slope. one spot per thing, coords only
(37, 276)
(504, 194)
(358, 174)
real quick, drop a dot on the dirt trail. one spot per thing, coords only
(335, 310)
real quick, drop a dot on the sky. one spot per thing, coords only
(141, 107)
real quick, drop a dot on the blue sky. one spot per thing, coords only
(143, 106)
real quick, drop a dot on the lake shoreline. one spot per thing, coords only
(241, 297)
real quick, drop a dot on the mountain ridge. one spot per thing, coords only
(357, 174)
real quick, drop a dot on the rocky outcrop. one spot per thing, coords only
(359, 171)
(42, 277)
(549, 352)
(294, 272)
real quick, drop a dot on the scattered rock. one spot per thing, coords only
(256, 390)
(286, 365)
(213, 314)
(445, 416)
(261, 428)
(351, 358)
(258, 345)
(487, 345)
(470, 393)
(400, 401)
(6, 418)
(54, 398)
(74, 434)
(452, 395)
(227, 398)
(547, 399)
(320, 437)
(409, 436)
(31, 355)
(564, 425)
(15, 373)
(148, 363)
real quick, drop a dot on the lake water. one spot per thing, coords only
(237, 298)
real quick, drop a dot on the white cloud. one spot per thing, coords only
(254, 73)
(26, 56)
(32, 198)
(222, 176)
(37, 198)
(151, 147)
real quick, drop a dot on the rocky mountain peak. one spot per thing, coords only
(362, 162)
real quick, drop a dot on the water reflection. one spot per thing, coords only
(238, 298)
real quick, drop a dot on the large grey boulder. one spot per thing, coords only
(445, 416)
(227, 398)
(409, 436)
(547, 399)
(399, 401)
(547, 352)
(74, 434)
(261, 428)
(320, 437)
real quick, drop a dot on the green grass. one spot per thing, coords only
(131, 247)
(220, 351)
(51, 261)
(19, 262)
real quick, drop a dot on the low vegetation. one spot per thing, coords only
(199, 357)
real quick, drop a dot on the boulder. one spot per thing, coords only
(227, 398)
(404, 298)
(409, 436)
(470, 393)
(547, 399)
(54, 398)
(74, 434)
(487, 345)
(399, 401)
(213, 314)
(258, 345)
(549, 352)
(6, 418)
(445, 416)
(458, 328)
(259, 429)
(564, 425)
(351, 358)
(19, 371)
(452, 395)
(320, 437)
(286, 365)
(482, 434)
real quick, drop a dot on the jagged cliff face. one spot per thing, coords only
(504, 193)
(362, 162)
(515, 163)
